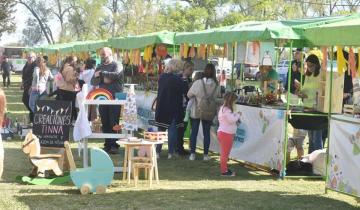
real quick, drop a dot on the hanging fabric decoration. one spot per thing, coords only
(126, 57)
(341, 62)
(202, 52)
(352, 63)
(186, 50)
(192, 52)
(210, 50)
(141, 67)
(324, 58)
(181, 51)
(137, 57)
(225, 50)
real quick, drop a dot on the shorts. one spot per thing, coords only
(297, 140)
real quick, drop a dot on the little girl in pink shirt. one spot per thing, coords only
(228, 122)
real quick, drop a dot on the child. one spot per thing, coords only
(198, 75)
(2, 111)
(228, 122)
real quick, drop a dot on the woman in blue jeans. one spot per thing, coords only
(169, 111)
(197, 91)
(41, 77)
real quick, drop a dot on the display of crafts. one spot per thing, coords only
(270, 98)
(134, 139)
(99, 94)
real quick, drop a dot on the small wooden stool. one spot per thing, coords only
(149, 169)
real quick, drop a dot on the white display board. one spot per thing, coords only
(344, 157)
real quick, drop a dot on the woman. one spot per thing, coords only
(2, 112)
(197, 91)
(67, 83)
(222, 80)
(228, 122)
(309, 94)
(41, 77)
(88, 73)
(169, 105)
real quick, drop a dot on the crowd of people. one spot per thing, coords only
(181, 99)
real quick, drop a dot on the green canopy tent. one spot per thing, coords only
(90, 46)
(344, 33)
(281, 32)
(141, 41)
(254, 31)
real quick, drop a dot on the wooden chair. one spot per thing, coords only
(148, 169)
(149, 164)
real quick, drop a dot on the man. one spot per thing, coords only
(297, 140)
(295, 73)
(6, 68)
(108, 76)
(186, 77)
(27, 76)
(269, 77)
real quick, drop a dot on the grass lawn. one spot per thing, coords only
(183, 185)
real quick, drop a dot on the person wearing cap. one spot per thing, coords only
(297, 140)
(309, 94)
(268, 75)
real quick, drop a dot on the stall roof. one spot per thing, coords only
(254, 31)
(141, 41)
(345, 32)
(87, 46)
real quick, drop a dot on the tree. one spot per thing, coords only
(32, 34)
(42, 13)
(6, 16)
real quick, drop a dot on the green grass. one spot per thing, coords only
(183, 185)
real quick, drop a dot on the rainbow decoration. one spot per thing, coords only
(99, 94)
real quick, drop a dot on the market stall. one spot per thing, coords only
(343, 151)
(252, 42)
(143, 56)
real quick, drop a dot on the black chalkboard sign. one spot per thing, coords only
(52, 121)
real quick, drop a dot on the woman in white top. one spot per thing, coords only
(210, 84)
(41, 77)
(88, 73)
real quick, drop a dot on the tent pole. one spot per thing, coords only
(233, 66)
(283, 173)
(329, 114)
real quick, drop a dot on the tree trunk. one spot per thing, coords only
(41, 24)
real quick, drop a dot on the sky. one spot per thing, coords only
(21, 16)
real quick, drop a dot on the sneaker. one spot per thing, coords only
(170, 156)
(192, 156)
(206, 158)
(228, 174)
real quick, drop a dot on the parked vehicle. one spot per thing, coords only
(282, 70)
(250, 71)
